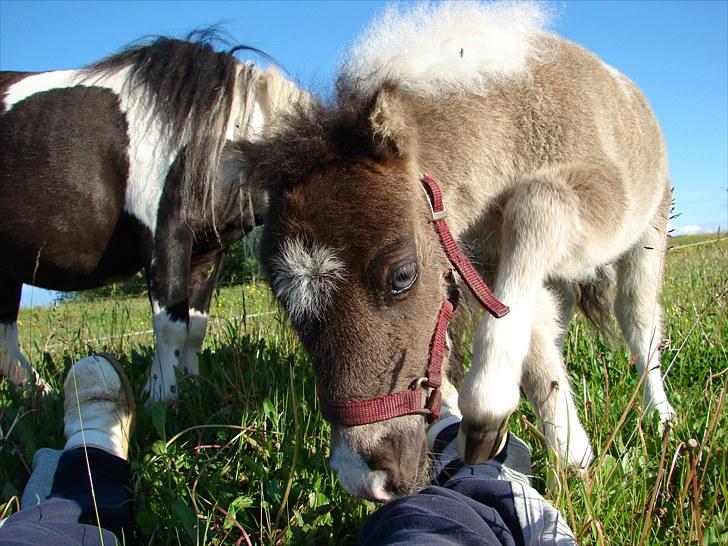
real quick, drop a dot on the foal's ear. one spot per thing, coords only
(388, 123)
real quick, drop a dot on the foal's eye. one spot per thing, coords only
(402, 277)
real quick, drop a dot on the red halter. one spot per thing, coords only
(362, 412)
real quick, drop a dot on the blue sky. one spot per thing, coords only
(677, 52)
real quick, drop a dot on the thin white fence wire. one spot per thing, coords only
(215, 320)
(218, 320)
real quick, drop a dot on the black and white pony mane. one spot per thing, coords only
(189, 89)
(149, 138)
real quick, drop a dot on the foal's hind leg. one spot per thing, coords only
(13, 364)
(639, 277)
(545, 383)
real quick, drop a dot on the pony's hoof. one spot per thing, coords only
(478, 443)
(25, 377)
(156, 391)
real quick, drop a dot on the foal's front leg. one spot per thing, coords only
(545, 381)
(13, 363)
(538, 224)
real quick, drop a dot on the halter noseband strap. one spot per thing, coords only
(362, 412)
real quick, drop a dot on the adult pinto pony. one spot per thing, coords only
(551, 171)
(127, 164)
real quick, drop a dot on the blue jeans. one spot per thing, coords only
(489, 504)
(69, 516)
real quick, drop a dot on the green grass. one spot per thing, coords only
(243, 454)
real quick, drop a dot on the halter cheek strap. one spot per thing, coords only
(410, 401)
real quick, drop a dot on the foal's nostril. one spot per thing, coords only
(396, 483)
(378, 463)
(400, 457)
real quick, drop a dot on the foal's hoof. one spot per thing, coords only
(478, 442)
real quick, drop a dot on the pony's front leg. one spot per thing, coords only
(536, 234)
(203, 276)
(13, 363)
(168, 281)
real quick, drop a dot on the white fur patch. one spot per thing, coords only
(305, 278)
(13, 364)
(434, 48)
(150, 157)
(171, 342)
(355, 475)
(37, 83)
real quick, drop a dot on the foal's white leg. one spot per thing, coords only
(546, 385)
(170, 346)
(639, 313)
(537, 229)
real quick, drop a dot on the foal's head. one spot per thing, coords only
(350, 253)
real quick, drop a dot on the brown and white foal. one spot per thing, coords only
(553, 172)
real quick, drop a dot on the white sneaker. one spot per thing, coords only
(98, 405)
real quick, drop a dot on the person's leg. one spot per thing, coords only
(485, 504)
(467, 504)
(38, 488)
(99, 484)
(89, 495)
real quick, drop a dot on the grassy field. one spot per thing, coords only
(241, 459)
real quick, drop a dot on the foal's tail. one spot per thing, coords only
(596, 301)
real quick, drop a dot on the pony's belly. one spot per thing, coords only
(70, 280)
(71, 260)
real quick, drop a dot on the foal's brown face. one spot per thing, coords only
(351, 255)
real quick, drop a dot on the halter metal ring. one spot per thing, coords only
(423, 382)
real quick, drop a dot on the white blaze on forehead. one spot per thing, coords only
(305, 278)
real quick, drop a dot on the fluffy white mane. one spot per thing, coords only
(434, 48)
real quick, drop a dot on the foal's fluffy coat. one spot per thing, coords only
(435, 49)
(554, 173)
